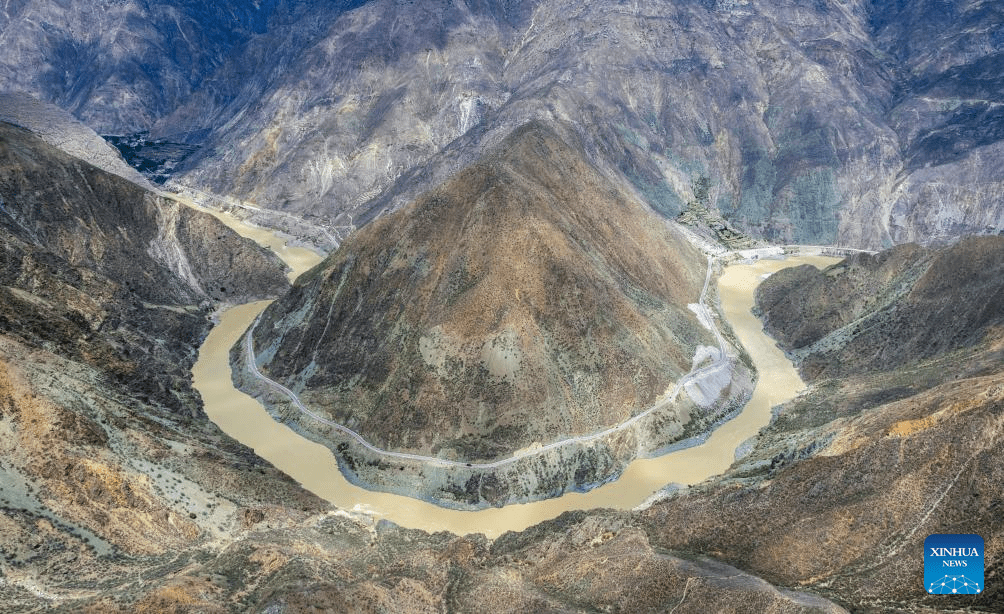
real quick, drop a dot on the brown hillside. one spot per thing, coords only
(526, 299)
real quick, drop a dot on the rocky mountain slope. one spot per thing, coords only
(858, 122)
(899, 436)
(120, 66)
(524, 301)
(58, 128)
(116, 494)
(880, 313)
(836, 500)
(820, 123)
(106, 453)
(335, 563)
(96, 269)
(100, 486)
(116, 228)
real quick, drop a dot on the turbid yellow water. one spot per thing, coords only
(314, 466)
(299, 259)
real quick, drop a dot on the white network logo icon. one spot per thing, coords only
(949, 585)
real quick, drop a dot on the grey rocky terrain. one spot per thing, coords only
(863, 123)
(59, 128)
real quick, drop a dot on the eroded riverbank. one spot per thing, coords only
(316, 469)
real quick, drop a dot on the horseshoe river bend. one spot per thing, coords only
(314, 466)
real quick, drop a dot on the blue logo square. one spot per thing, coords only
(953, 564)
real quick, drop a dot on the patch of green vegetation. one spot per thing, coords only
(478, 447)
(701, 215)
(758, 188)
(702, 190)
(460, 280)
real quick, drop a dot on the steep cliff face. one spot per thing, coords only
(524, 300)
(947, 115)
(343, 102)
(817, 123)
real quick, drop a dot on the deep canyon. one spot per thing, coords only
(498, 241)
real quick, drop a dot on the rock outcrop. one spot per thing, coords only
(155, 247)
(120, 66)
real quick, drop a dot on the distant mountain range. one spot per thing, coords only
(860, 123)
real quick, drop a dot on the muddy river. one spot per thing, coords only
(313, 465)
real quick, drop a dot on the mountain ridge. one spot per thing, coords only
(814, 124)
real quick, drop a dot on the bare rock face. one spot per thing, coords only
(119, 66)
(813, 123)
(115, 227)
(844, 488)
(577, 562)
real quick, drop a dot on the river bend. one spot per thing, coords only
(314, 466)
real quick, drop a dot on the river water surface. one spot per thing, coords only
(314, 466)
